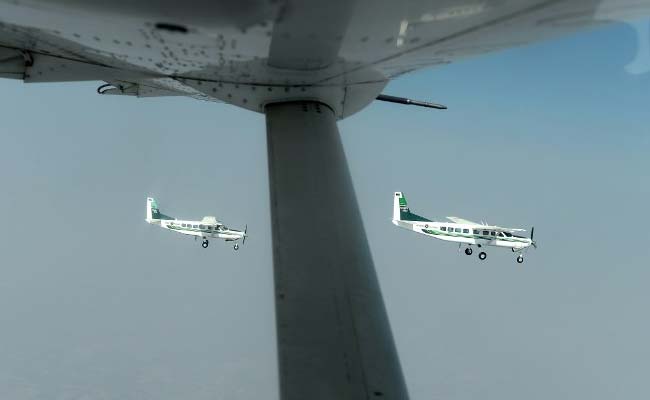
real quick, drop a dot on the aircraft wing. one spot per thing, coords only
(249, 53)
(499, 228)
(334, 339)
(483, 226)
(462, 221)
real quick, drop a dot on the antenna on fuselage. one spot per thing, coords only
(410, 102)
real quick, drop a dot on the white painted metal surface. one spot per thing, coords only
(251, 53)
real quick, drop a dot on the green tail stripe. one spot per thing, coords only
(409, 216)
(155, 214)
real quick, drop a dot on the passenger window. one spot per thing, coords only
(486, 233)
(444, 229)
(183, 225)
(201, 226)
(493, 233)
(476, 232)
(196, 226)
(465, 230)
(457, 230)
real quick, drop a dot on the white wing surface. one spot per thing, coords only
(334, 340)
(462, 221)
(499, 228)
(253, 52)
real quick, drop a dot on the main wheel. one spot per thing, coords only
(482, 255)
(468, 251)
(236, 246)
(205, 244)
(520, 259)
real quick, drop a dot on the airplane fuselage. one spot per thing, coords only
(198, 228)
(466, 234)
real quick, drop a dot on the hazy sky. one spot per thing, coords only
(96, 304)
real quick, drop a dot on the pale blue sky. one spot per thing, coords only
(94, 303)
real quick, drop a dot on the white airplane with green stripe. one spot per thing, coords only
(465, 233)
(207, 228)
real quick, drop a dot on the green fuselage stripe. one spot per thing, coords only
(181, 229)
(472, 236)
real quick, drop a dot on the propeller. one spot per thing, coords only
(532, 232)
(245, 230)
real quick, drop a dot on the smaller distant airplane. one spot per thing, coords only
(462, 231)
(208, 227)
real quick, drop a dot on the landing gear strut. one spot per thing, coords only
(468, 251)
(205, 243)
(482, 255)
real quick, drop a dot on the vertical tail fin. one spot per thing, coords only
(401, 210)
(399, 205)
(153, 213)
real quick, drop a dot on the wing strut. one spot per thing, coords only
(334, 338)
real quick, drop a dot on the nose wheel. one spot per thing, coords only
(205, 244)
(236, 247)
(468, 251)
(520, 259)
(482, 255)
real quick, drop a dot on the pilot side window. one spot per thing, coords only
(500, 234)
(493, 233)
(508, 234)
